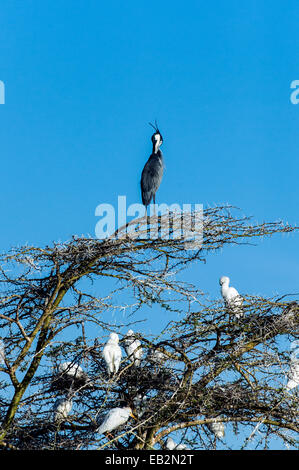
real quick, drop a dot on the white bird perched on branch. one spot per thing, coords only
(218, 428)
(72, 370)
(293, 375)
(172, 445)
(69, 375)
(182, 447)
(156, 356)
(114, 418)
(232, 299)
(112, 353)
(133, 348)
(62, 408)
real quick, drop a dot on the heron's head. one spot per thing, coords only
(157, 138)
(157, 141)
(224, 280)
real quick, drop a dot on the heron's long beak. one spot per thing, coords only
(134, 417)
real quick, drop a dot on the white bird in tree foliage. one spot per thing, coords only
(182, 447)
(114, 418)
(293, 375)
(112, 353)
(133, 348)
(72, 370)
(69, 375)
(218, 428)
(172, 445)
(62, 408)
(156, 356)
(232, 299)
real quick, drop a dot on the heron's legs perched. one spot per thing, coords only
(154, 200)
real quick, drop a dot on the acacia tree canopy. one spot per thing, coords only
(204, 367)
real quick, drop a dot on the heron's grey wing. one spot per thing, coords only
(146, 184)
(151, 178)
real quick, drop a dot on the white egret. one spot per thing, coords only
(293, 375)
(114, 418)
(156, 356)
(182, 447)
(133, 348)
(232, 299)
(172, 445)
(112, 353)
(62, 408)
(70, 375)
(71, 369)
(218, 428)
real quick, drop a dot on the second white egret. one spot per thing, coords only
(112, 353)
(114, 418)
(232, 299)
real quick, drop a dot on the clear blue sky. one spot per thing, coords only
(83, 78)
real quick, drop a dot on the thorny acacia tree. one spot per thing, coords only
(215, 367)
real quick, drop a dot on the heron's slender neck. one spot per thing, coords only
(156, 149)
(157, 141)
